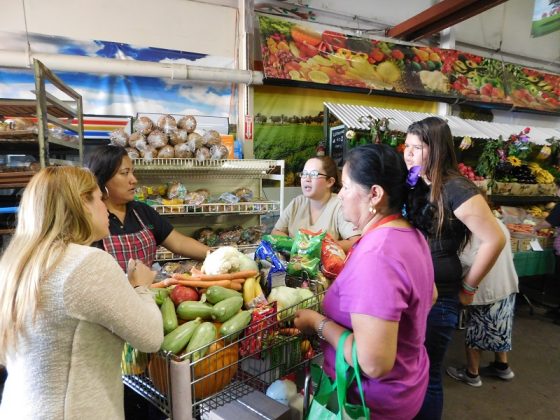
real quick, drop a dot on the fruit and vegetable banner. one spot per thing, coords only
(308, 53)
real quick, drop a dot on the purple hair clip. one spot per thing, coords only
(413, 175)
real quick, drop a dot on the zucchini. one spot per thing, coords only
(168, 315)
(203, 336)
(236, 324)
(216, 294)
(227, 308)
(192, 309)
(160, 295)
(177, 339)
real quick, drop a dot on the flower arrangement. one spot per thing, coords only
(518, 145)
(379, 132)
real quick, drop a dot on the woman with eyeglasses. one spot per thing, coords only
(136, 229)
(318, 208)
(448, 209)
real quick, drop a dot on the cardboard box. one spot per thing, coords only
(254, 406)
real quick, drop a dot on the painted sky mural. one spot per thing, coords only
(122, 95)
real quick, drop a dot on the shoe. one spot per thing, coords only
(461, 375)
(491, 370)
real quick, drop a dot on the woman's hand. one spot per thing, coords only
(140, 274)
(307, 321)
(465, 299)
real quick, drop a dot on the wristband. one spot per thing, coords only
(321, 327)
(470, 288)
(467, 292)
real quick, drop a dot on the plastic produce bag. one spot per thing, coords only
(332, 257)
(306, 253)
(272, 269)
(280, 243)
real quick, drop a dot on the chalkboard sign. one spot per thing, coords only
(337, 138)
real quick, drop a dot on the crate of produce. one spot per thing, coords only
(523, 241)
(502, 188)
(191, 382)
(514, 242)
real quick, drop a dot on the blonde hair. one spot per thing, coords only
(51, 215)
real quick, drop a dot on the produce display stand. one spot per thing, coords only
(184, 388)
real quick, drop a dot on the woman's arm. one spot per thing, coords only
(100, 292)
(376, 339)
(478, 218)
(188, 247)
(278, 232)
(346, 244)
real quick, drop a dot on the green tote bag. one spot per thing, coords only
(330, 396)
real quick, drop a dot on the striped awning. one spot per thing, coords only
(355, 117)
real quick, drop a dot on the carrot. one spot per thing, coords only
(214, 277)
(204, 283)
(236, 286)
(164, 283)
(289, 331)
(240, 281)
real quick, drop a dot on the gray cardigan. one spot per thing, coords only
(67, 365)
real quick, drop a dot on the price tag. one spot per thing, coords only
(536, 245)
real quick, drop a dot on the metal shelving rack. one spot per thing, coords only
(220, 176)
(39, 141)
(45, 102)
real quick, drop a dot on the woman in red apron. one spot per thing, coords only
(136, 229)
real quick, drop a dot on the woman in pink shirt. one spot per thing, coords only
(385, 291)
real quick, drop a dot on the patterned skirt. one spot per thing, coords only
(489, 327)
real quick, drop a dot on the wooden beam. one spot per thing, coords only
(442, 15)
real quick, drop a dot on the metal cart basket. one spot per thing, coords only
(188, 386)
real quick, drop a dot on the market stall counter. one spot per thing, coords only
(534, 263)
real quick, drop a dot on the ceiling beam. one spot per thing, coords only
(442, 15)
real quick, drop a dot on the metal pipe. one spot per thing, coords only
(110, 66)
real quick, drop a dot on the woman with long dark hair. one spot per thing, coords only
(448, 209)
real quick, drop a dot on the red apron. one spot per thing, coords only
(140, 245)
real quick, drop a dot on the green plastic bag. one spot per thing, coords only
(330, 395)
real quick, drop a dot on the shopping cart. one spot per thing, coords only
(184, 388)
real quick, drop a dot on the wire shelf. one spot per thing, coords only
(252, 207)
(254, 167)
(232, 368)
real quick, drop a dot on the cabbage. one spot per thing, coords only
(246, 263)
(288, 297)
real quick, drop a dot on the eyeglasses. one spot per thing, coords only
(314, 174)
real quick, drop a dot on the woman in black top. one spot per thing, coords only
(447, 208)
(136, 229)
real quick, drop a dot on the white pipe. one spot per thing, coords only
(98, 65)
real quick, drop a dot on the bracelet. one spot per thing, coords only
(467, 292)
(321, 327)
(469, 288)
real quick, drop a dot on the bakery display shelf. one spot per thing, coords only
(163, 254)
(19, 135)
(211, 167)
(15, 179)
(522, 199)
(252, 207)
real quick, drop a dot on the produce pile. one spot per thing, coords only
(214, 314)
(169, 138)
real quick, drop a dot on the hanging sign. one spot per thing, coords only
(248, 132)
